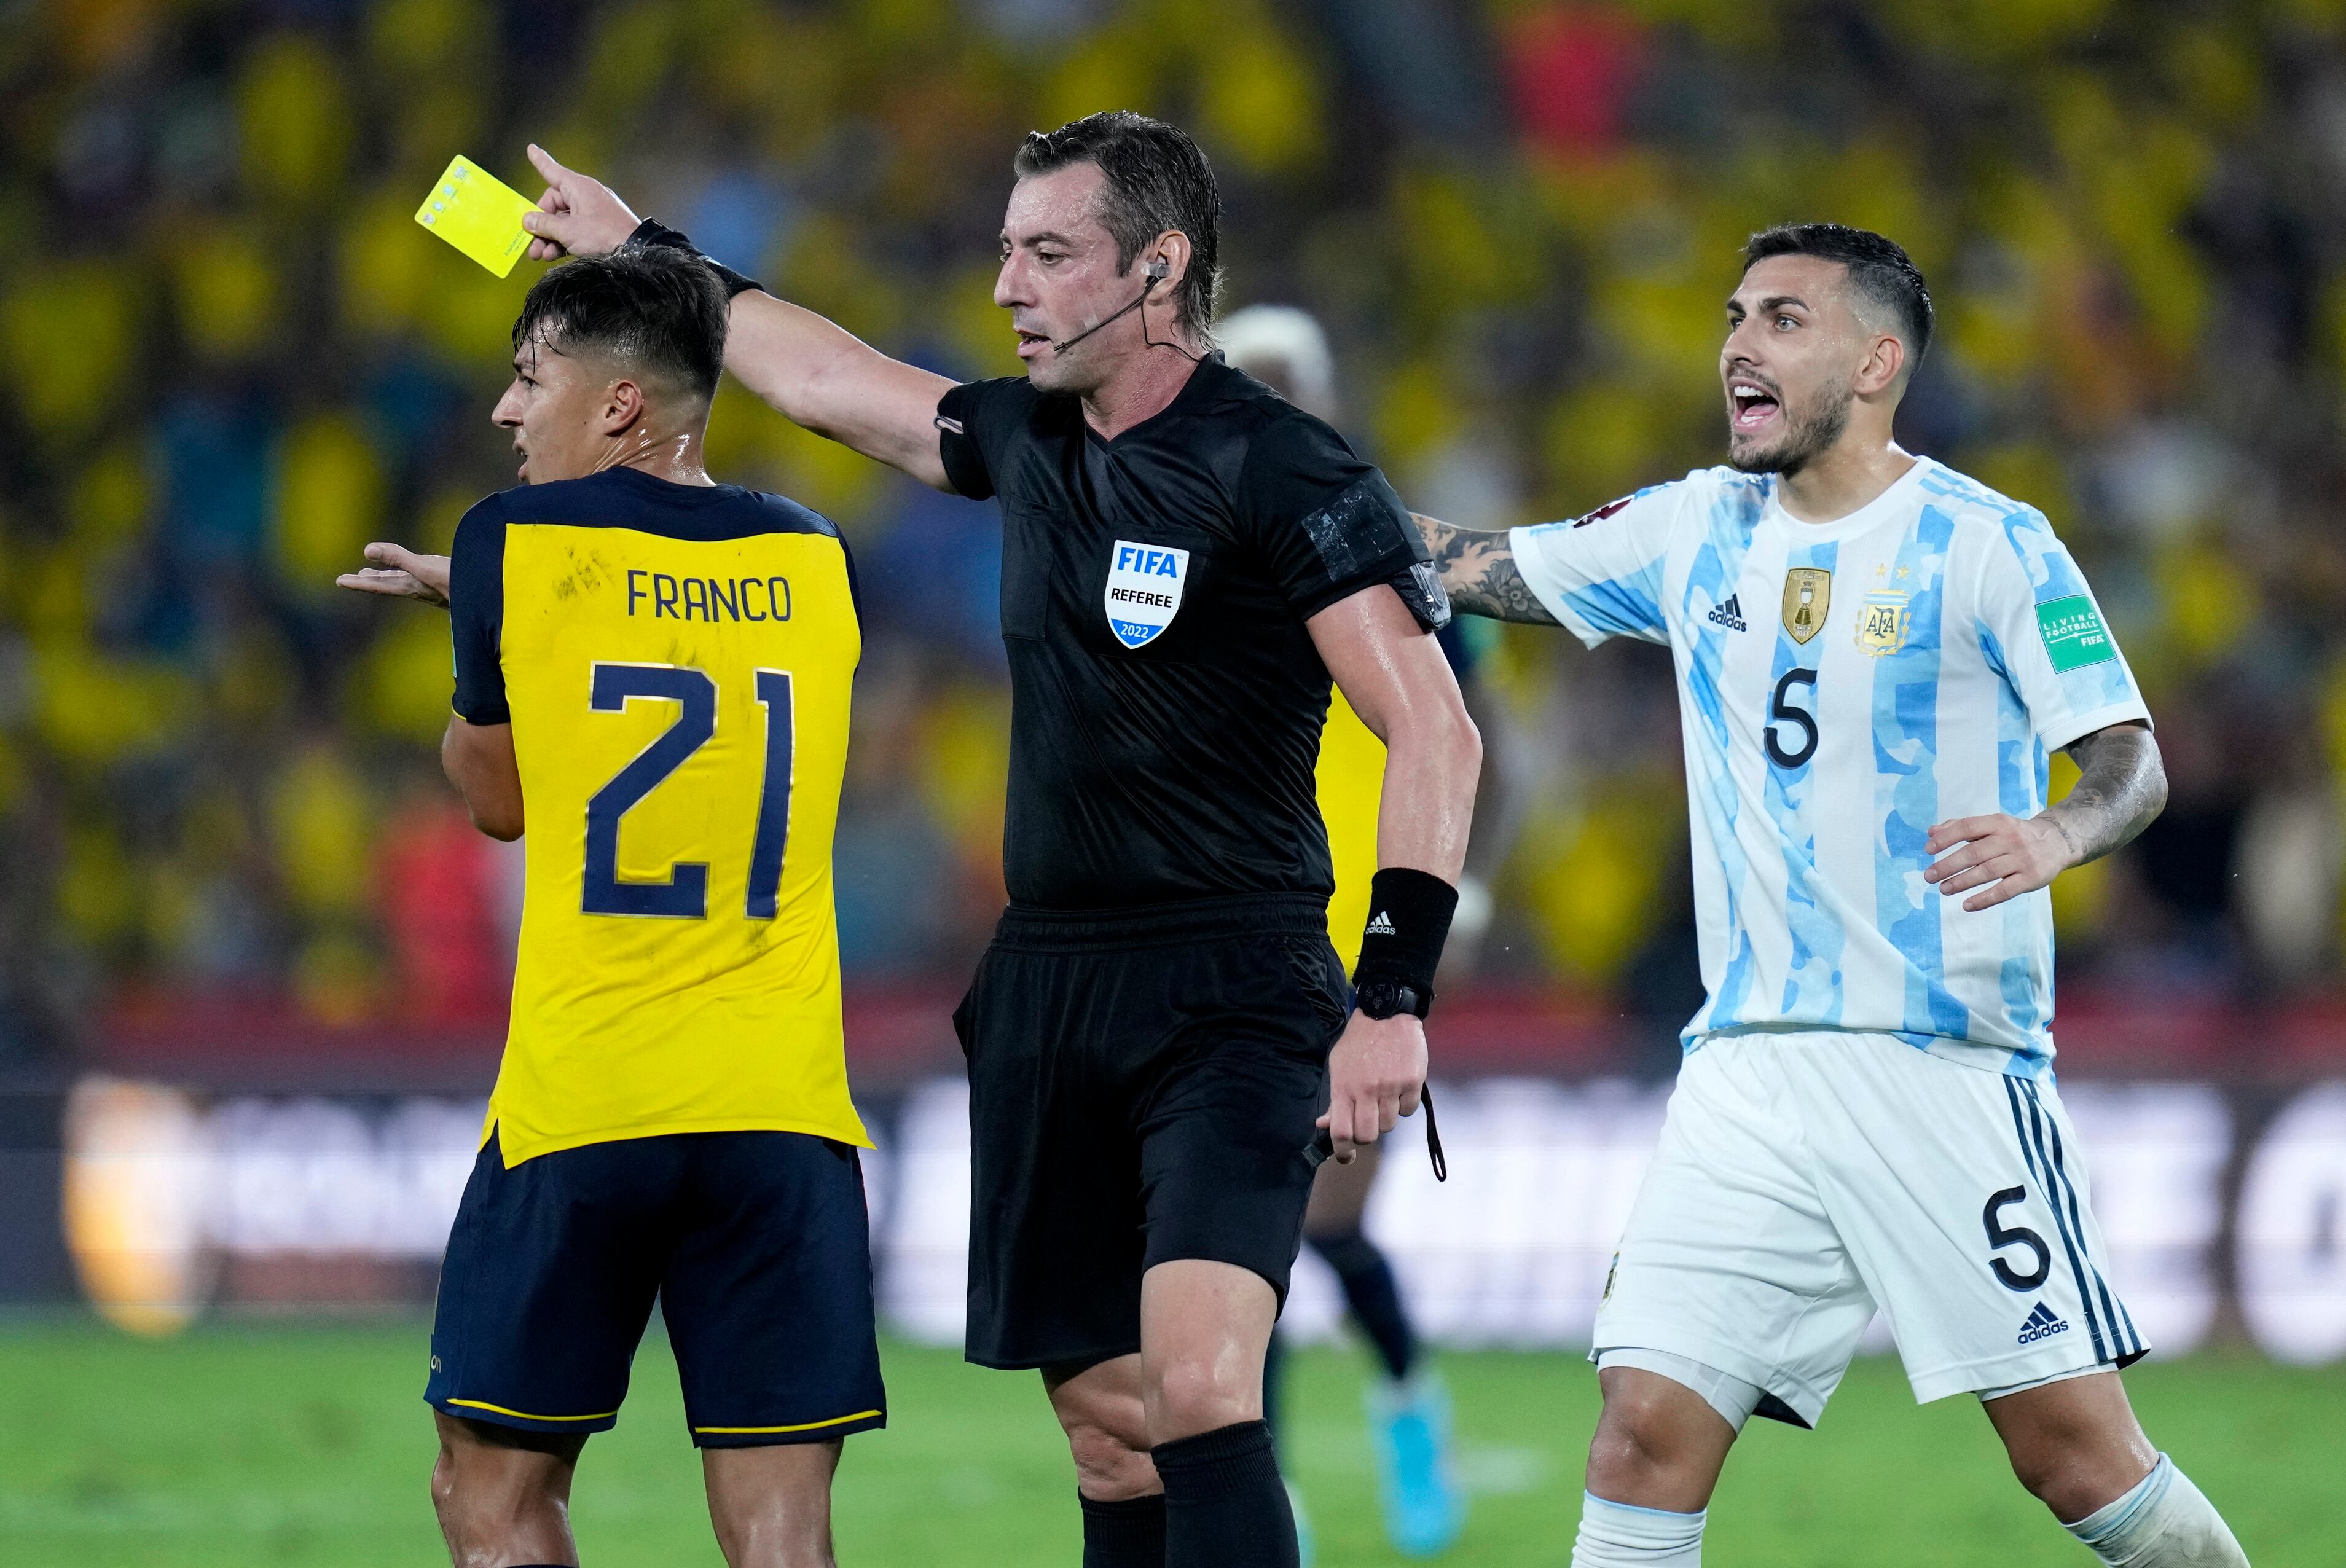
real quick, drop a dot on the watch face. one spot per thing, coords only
(1385, 998)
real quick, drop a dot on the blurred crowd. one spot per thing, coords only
(231, 358)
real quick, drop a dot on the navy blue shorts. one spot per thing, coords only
(757, 1245)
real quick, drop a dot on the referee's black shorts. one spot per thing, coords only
(1143, 1088)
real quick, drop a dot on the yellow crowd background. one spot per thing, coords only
(228, 358)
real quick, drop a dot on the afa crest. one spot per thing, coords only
(1144, 590)
(1881, 624)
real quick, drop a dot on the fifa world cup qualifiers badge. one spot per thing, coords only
(2073, 633)
(479, 214)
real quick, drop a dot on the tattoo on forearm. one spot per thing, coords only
(1479, 572)
(2120, 788)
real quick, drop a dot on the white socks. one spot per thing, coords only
(2163, 1522)
(1616, 1535)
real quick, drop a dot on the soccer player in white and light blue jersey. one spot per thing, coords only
(1876, 658)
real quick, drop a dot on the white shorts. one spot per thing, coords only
(1802, 1180)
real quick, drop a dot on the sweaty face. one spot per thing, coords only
(1059, 278)
(555, 408)
(1794, 347)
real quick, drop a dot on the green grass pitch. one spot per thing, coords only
(302, 1443)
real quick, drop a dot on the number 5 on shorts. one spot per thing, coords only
(683, 893)
(1999, 1237)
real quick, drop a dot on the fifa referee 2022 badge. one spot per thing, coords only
(1160, 1029)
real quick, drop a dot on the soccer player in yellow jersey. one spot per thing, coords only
(652, 674)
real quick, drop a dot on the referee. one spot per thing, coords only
(1187, 559)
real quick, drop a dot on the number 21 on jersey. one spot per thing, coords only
(684, 894)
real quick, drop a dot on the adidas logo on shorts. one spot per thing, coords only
(2042, 1325)
(1382, 925)
(1728, 615)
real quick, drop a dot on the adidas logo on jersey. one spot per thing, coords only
(1381, 926)
(1728, 615)
(2042, 1325)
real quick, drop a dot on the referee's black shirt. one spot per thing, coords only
(1166, 700)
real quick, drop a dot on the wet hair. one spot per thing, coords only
(1879, 270)
(1158, 180)
(656, 311)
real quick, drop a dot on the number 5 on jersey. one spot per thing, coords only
(683, 893)
(1780, 710)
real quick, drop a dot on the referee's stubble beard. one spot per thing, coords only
(1059, 279)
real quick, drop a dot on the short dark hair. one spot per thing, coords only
(654, 309)
(1158, 180)
(1879, 268)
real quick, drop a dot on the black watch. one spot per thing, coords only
(1390, 998)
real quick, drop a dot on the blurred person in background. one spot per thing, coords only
(655, 669)
(1188, 560)
(1409, 1409)
(1876, 656)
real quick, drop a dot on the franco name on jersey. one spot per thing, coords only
(742, 598)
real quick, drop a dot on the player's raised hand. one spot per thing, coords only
(1376, 1075)
(580, 215)
(400, 574)
(2003, 856)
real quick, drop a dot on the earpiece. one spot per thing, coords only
(1159, 269)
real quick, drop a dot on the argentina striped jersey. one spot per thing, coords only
(1842, 688)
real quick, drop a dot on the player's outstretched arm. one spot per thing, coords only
(2121, 786)
(1393, 673)
(479, 761)
(1479, 573)
(400, 574)
(818, 373)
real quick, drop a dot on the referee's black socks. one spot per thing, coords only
(1225, 1505)
(1126, 1535)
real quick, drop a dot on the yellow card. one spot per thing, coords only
(479, 214)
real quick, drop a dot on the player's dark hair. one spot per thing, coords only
(1879, 268)
(1158, 180)
(657, 309)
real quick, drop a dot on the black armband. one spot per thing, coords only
(1421, 589)
(1409, 920)
(650, 231)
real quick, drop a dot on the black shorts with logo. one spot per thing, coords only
(1143, 1088)
(757, 1245)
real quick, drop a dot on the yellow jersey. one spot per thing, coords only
(676, 662)
(1351, 786)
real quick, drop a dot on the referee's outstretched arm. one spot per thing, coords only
(1391, 671)
(819, 375)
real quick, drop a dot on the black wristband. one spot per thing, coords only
(651, 231)
(1409, 920)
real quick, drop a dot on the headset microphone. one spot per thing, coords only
(1156, 271)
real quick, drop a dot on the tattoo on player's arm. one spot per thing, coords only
(1479, 572)
(2121, 786)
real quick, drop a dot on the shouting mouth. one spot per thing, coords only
(1750, 406)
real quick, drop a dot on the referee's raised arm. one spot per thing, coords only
(816, 372)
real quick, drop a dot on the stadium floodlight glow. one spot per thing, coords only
(139, 1178)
